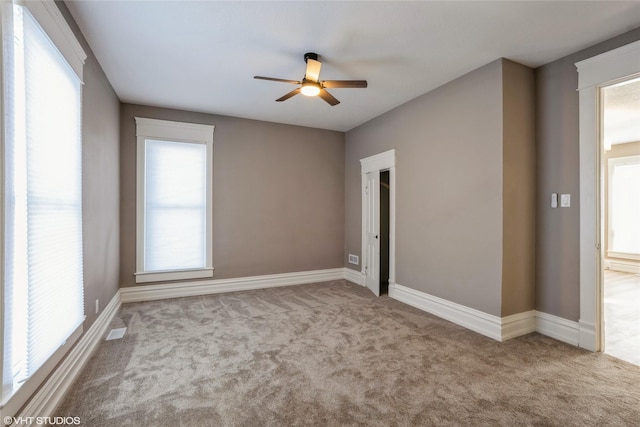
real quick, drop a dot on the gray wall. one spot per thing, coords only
(558, 169)
(448, 188)
(465, 222)
(100, 182)
(278, 194)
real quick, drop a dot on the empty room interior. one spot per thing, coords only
(320, 213)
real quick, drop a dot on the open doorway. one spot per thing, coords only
(378, 221)
(620, 210)
(384, 232)
(603, 70)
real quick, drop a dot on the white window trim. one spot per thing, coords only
(51, 20)
(173, 131)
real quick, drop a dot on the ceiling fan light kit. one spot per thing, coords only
(311, 85)
(310, 88)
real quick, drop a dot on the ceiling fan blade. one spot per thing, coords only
(344, 83)
(289, 95)
(330, 99)
(295, 82)
(313, 70)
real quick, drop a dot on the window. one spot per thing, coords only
(43, 307)
(174, 211)
(624, 207)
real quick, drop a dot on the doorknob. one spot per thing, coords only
(376, 236)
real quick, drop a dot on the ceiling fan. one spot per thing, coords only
(311, 85)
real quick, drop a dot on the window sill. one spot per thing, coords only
(160, 276)
(623, 255)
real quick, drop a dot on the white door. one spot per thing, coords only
(372, 232)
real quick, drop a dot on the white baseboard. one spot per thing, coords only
(214, 286)
(392, 290)
(478, 321)
(518, 324)
(556, 327)
(354, 276)
(45, 401)
(498, 328)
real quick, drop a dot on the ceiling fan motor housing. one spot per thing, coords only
(310, 55)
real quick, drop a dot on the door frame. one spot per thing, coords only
(371, 256)
(381, 162)
(594, 73)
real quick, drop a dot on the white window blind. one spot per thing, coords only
(174, 206)
(43, 278)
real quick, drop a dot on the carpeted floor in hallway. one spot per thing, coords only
(331, 354)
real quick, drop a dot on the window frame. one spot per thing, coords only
(156, 129)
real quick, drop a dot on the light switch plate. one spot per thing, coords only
(565, 200)
(554, 200)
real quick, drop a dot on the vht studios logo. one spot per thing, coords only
(38, 421)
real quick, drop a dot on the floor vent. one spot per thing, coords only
(116, 334)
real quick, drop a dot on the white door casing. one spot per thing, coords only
(374, 164)
(372, 234)
(593, 74)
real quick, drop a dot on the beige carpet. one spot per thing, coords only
(331, 354)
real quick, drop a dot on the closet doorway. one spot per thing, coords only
(378, 221)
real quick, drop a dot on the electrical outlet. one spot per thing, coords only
(97, 306)
(354, 259)
(565, 200)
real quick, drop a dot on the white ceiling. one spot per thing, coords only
(202, 55)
